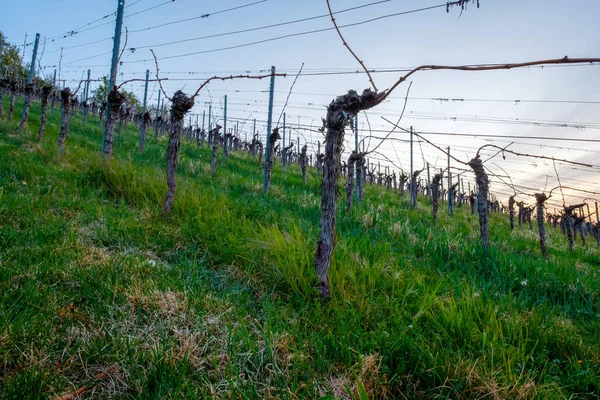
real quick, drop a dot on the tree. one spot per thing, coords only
(11, 62)
(100, 94)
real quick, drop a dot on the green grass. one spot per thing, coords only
(100, 290)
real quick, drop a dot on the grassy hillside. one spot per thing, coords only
(103, 295)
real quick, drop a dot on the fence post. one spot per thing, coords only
(114, 62)
(32, 66)
(269, 121)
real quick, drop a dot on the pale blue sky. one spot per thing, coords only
(498, 32)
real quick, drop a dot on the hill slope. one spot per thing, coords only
(102, 294)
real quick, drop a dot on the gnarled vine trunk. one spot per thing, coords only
(435, 195)
(483, 183)
(146, 119)
(4, 84)
(360, 176)
(115, 100)
(260, 153)
(181, 104)
(303, 164)
(26, 105)
(339, 112)
(13, 97)
(350, 184)
(46, 90)
(511, 211)
(540, 199)
(273, 138)
(413, 188)
(65, 100)
(214, 134)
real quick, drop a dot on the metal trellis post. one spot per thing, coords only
(269, 121)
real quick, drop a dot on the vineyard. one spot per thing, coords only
(158, 242)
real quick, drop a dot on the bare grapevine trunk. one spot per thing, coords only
(511, 211)
(53, 100)
(46, 90)
(413, 187)
(85, 111)
(540, 199)
(273, 138)
(303, 164)
(579, 222)
(403, 179)
(121, 120)
(360, 176)
(13, 97)
(225, 151)
(520, 205)
(115, 99)
(146, 119)
(339, 113)
(26, 105)
(350, 184)
(4, 84)
(483, 183)
(181, 104)
(435, 195)
(214, 134)
(260, 154)
(65, 97)
(102, 114)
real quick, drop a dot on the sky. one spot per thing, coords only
(510, 106)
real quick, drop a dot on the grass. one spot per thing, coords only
(103, 294)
